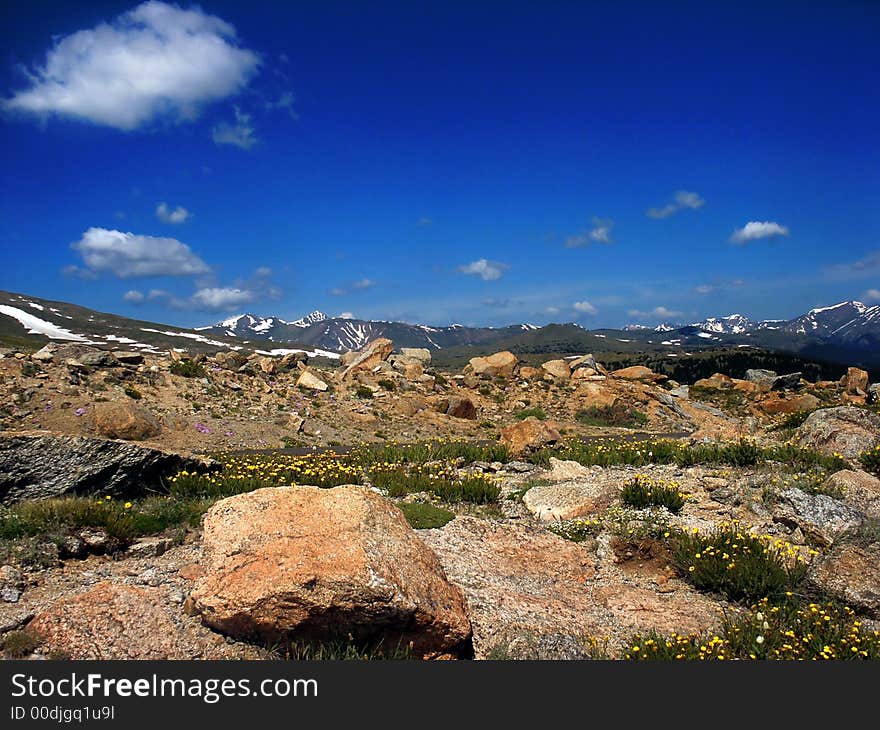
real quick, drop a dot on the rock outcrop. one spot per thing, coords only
(501, 364)
(845, 430)
(38, 465)
(321, 563)
(529, 433)
(124, 421)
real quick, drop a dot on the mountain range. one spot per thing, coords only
(847, 332)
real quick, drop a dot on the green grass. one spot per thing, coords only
(445, 483)
(424, 516)
(737, 564)
(535, 411)
(577, 530)
(388, 385)
(641, 492)
(423, 452)
(870, 461)
(342, 650)
(133, 392)
(362, 391)
(19, 644)
(616, 416)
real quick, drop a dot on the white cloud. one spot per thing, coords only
(154, 60)
(656, 313)
(241, 134)
(133, 296)
(599, 233)
(346, 315)
(704, 289)
(485, 269)
(338, 291)
(585, 308)
(756, 230)
(552, 310)
(681, 200)
(216, 299)
(178, 215)
(364, 283)
(127, 255)
(871, 296)
(263, 272)
(359, 285)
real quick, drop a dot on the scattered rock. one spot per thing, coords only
(845, 430)
(850, 573)
(124, 421)
(823, 519)
(311, 382)
(859, 489)
(762, 377)
(11, 584)
(558, 369)
(873, 394)
(109, 621)
(638, 372)
(529, 433)
(567, 500)
(855, 382)
(797, 404)
(417, 353)
(787, 382)
(369, 357)
(319, 563)
(458, 407)
(37, 466)
(501, 364)
(148, 547)
(564, 471)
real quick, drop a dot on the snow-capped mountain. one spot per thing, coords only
(732, 324)
(340, 334)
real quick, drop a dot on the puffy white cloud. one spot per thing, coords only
(240, 134)
(599, 233)
(656, 313)
(178, 215)
(346, 315)
(127, 255)
(133, 296)
(485, 269)
(756, 230)
(584, 307)
(871, 296)
(216, 299)
(155, 59)
(682, 199)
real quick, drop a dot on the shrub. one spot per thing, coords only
(616, 415)
(424, 516)
(736, 563)
(791, 421)
(642, 492)
(387, 384)
(342, 650)
(362, 391)
(133, 392)
(870, 460)
(576, 530)
(187, 369)
(19, 644)
(788, 630)
(399, 481)
(535, 411)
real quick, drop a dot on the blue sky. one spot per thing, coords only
(439, 162)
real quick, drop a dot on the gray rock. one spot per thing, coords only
(845, 430)
(761, 377)
(787, 382)
(11, 584)
(821, 518)
(148, 547)
(850, 573)
(128, 357)
(38, 466)
(873, 394)
(682, 391)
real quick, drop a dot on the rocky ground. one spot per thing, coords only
(556, 564)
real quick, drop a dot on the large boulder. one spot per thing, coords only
(82, 354)
(119, 420)
(529, 433)
(109, 621)
(456, 406)
(857, 488)
(761, 376)
(38, 465)
(501, 364)
(873, 394)
(322, 563)
(566, 500)
(422, 354)
(638, 372)
(776, 404)
(850, 573)
(845, 430)
(373, 354)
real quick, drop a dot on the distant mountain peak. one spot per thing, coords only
(310, 319)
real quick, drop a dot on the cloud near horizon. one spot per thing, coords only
(127, 255)
(656, 313)
(756, 230)
(154, 60)
(585, 307)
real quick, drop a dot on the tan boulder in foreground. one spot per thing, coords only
(376, 352)
(322, 563)
(638, 372)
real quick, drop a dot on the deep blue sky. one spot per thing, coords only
(426, 137)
